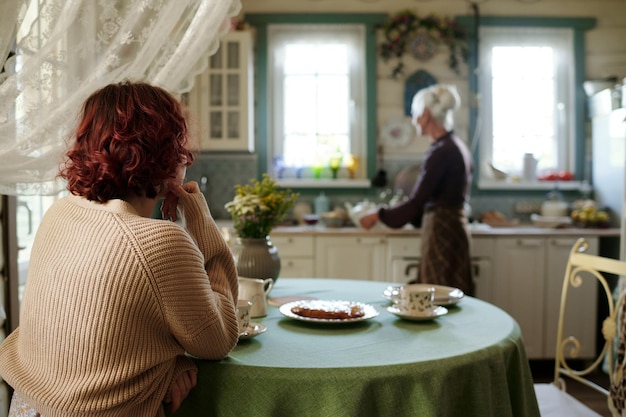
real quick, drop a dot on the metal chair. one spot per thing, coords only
(552, 397)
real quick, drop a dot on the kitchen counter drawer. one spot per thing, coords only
(404, 246)
(293, 245)
(297, 267)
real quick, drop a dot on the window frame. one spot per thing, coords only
(578, 26)
(260, 22)
(357, 87)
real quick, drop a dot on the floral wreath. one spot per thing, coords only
(405, 27)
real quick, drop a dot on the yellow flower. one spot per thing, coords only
(257, 207)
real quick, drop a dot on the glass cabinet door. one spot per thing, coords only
(221, 101)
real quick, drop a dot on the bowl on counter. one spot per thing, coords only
(550, 222)
(333, 219)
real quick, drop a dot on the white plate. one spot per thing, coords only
(397, 133)
(550, 221)
(369, 311)
(253, 329)
(436, 312)
(444, 296)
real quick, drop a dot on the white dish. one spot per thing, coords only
(397, 133)
(368, 310)
(444, 296)
(434, 313)
(253, 329)
(550, 221)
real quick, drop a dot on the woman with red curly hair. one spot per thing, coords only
(115, 299)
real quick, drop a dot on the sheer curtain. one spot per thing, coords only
(66, 49)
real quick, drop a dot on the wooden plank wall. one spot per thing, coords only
(605, 54)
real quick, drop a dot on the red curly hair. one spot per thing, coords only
(131, 138)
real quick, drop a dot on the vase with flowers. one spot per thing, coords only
(256, 209)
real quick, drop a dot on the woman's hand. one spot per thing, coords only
(369, 219)
(180, 388)
(168, 208)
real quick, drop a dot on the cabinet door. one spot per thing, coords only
(482, 252)
(581, 312)
(294, 267)
(351, 257)
(221, 100)
(519, 268)
(296, 255)
(403, 259)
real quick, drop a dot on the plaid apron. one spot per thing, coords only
(445, 250)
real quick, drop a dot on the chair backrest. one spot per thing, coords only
(580, 267)
(617, 398)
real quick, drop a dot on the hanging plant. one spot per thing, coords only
(421, 36)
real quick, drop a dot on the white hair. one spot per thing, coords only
(442, 100)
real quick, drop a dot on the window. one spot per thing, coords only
(527, 97)
(329, 104)
(318, 107)
(528, 86)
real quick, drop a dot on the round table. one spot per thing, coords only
(469, 362)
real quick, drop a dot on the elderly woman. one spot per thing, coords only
(115, 299)
(440, 193)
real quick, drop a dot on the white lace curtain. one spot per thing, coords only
(66, 49)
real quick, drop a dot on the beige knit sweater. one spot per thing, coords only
(113, 301)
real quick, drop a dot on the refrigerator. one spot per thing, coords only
(608, 160)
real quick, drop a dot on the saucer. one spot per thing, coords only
(253, 329)
(434, 313)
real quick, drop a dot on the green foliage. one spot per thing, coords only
(259, 206)
(400, 29)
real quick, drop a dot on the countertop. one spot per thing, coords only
(475, 229)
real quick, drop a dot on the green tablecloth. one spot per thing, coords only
(470, 362)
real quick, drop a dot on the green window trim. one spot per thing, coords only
(579, 27)
(261, 22)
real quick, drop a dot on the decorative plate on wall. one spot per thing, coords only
(397, 133)
(423, 47)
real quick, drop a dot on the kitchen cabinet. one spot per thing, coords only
(518, 287)
(351, 257)
(403, 255)
(482, 250)
(222, 99)
(521, 274)
(527, 283)
(297, 254)
(581, 314)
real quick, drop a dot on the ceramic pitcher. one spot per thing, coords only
(255, 290)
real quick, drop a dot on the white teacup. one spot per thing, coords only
(256, 290)
(243, 314)
(416, 299)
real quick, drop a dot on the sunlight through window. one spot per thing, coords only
(528, 100)
(317, 84)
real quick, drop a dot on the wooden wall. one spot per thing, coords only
(605, 45)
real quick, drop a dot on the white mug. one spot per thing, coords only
(243, 314)
(256, 290)
(416, 299)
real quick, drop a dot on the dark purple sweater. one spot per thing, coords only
(443, 182)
